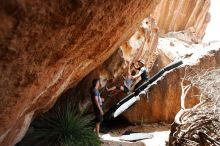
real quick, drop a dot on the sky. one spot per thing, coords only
(213, 28)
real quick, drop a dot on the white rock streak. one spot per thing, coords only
(190, 54)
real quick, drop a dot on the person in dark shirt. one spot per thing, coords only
(97, 103)
(143, 71)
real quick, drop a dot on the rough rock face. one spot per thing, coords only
(141, 45)
(138, 47)
(186, 35)
(164, 97)
(48, 46)
(173, 15)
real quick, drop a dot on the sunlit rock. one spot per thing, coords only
(49, 46)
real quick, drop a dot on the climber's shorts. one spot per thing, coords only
(98, 116)
(126, 90)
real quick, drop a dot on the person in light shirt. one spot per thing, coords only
(126, 87)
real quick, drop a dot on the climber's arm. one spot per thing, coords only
(137, 75)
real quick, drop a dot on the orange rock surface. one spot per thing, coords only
(49, 46)
(173, 15)
(164, 97)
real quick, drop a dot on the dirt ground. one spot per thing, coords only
(159, 131)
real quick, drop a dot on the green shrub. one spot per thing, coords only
(63, 126)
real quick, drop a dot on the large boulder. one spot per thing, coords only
(48, 46)
(173, 15)
(163, 100)
(141, 45)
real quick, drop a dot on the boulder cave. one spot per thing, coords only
(52, 50)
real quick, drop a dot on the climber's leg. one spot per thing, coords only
(98, 119)
(97, 128)
(139, 84)
(123, 88)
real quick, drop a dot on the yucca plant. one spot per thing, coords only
(63, 126)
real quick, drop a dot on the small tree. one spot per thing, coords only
(199, 125)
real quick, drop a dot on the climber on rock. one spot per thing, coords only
(127, 82)
(143, 71)
(97, 103)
